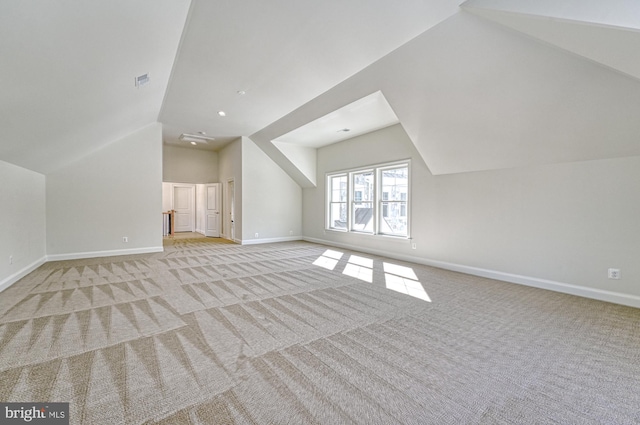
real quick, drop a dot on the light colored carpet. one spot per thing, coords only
(211, 333)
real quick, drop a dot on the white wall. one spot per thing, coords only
(189, 165)
(23, 218)
(303, 157)
(271, 200)
(230, 167)
(557, 226)
(201, 209)
(114, 192)
(167, 196)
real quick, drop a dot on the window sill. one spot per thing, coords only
(369, 235)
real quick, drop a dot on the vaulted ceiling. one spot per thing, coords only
(483, 85)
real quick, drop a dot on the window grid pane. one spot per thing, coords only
(338, 202)
(362, 204)
(394, 183)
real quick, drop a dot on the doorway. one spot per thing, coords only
(184, 205)
(211, 209)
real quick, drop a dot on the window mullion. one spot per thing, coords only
(375, 201)
(349, 202)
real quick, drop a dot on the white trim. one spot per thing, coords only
(269, 240)
(7, 282)
(566, 288)
(112, 253)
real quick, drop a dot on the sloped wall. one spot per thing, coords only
(112, 193)
(23, 215)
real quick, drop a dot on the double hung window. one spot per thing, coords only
(372, 200)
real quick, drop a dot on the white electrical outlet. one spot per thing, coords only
(256, 235)
(290, 232)
(125, 239)
(614, 273)
(414, 246)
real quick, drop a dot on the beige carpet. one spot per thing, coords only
(209, 333)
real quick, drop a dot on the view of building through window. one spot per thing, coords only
(395, 187)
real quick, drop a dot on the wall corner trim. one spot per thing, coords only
(269, 240)
(565, 288)
(112, 253)
(7, 282)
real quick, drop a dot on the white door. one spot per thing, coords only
(212, 214)
(184, 205)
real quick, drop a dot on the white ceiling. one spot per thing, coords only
(365, 115)
(502, 83)
(607, 32)
(282, 54)
(67, 74)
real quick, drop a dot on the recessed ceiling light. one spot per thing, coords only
(194, 143)
(222, 113)
(241, 92)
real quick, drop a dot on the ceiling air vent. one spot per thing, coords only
(195, 138)
(142, 80)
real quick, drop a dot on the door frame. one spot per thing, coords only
(206, 210)
(229, 209)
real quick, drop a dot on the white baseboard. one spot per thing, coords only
(566, 288)
(269, 240)
(7, 282)
(112, 253)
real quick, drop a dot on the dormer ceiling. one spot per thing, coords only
(491, 84)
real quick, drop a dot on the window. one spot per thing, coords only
(362, 204)
(338, 202)
(373, 200)
(395, 182)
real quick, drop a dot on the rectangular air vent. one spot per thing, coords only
(142, 80)
(195, 138)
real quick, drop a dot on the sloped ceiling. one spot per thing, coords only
(500, 83)
(281, 54)
(68, 69)
(473, 95)
(607, 32)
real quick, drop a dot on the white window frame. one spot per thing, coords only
(377, 198)
(328, 224)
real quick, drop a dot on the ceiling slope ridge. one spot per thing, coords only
(472, 96)
(616, 14)
(610, 46)
(176, 58)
